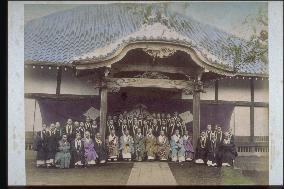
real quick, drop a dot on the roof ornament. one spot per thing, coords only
(159, 52)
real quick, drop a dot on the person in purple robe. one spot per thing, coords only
(90, 153)
(187, 142)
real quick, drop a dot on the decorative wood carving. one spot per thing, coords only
(152, 75)
(159, 52)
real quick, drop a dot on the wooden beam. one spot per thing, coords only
(252, 111)
(59, 76)
(196, 118)
(58, 97)
(103, 113)
(216, 90)
(145, 82)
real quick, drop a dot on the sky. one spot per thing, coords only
(227, 16)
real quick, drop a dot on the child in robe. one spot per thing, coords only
(77, 150)
(150, 145)
(100, 148)
(63, 156)
(163, 146)
(213, 151)
(40, 145)
(90, 153)
(177, 147)
(139, 145)
(188, 147)
(126, 146)
(112, 146)
(201, 149)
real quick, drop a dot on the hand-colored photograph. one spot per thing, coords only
(168, 93)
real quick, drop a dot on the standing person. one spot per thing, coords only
(63, 156)
(155, 127)
(139, 145)
(81, 129)
(159, 120)
(110, 127)
(95, 128)
(112, 146)
(126, 146)
(77, 150)
(135, 126)
(150, 145)
(124, 126)
(231, 136)
(130, 124)
(40, 146)
(100, 148)
(58, 131)
(212, 151)
(51, 146)
(69, 130)
(140, 121)
(228, 151)
(188, 147)
(172, 126)
(219, 135)
(175, 116)
(201, 149)
(164, 127)
(120, 122)
(208, 132)
(179, 125)
(177, 147)
(144, 127)
(163, 146)
(88, 125)
(90, 153)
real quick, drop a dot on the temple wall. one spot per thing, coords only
(240, 121)
(39, 80)
(261, 122)
(76, 85)
(261, 91)
(209, 94)
(234, 90)
(32, 115)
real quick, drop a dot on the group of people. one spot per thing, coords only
(130, 137)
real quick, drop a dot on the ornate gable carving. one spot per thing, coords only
(159, 52)
(152, 75)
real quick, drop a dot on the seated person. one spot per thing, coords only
(228, 151)
(100, 148)
(150, 145)
(212, 153)
(139, 145)
(163, 146)
(187, 143)
(177, 147)
(201, 149)
(90, 153)
(112, 146)
(126, 146)
(63, 156)
(77, 150)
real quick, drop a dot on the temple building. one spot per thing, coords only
(103, 59)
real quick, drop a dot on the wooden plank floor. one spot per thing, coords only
(151, 173)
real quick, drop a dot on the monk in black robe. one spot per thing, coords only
(100, 148)
(77, 151)
(201, 149)
(228, 150)
(40, 145)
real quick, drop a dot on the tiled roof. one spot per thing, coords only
(97, 31)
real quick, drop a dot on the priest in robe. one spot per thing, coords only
(81, 129)
(212, 151)
(77, 151)
(188, 147)
(179, 125)
(150, 145)
(94, 129)
(52, 145)
(155, 127)
(112, 143)
(139, 145)
(177, 147)
(100, 148)
(201, 149)
(163, 146)
(69, 130)
(40, 146)
(90, 153)
(126, 146)
(172, 126)
(58, 131)
(164, 127)
(228, 151)
(110, 127)
(88, 124)
(208, 132)
(63, 156)
(135, 126)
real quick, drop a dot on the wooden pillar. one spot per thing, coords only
(252, 111)
(103, 112)
(196, 118)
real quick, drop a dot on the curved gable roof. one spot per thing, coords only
(96, 31)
